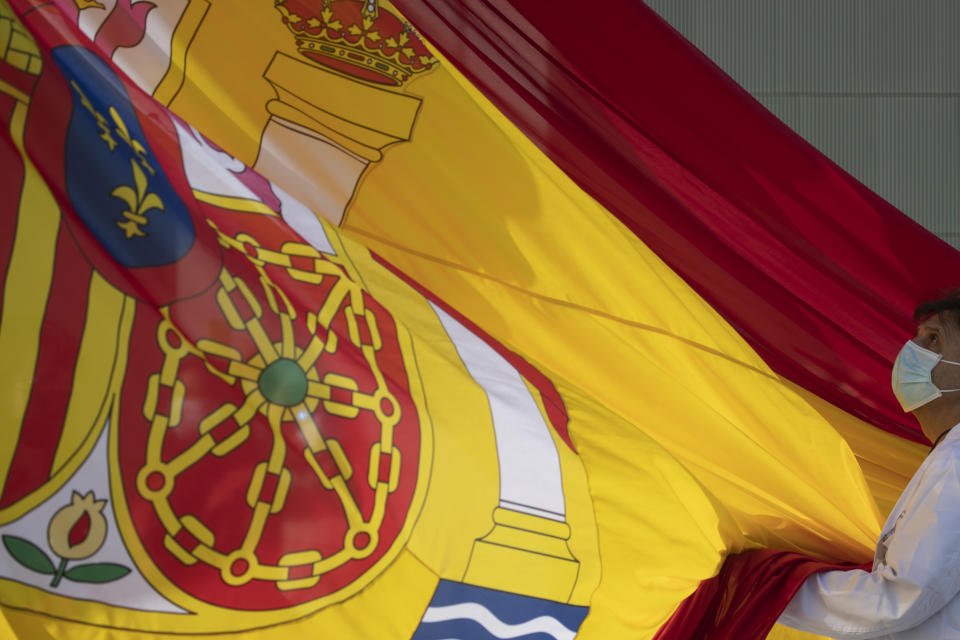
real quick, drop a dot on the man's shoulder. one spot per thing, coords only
(948, 449)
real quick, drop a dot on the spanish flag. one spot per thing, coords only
(479, 319)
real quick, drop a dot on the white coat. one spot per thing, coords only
(912, 591)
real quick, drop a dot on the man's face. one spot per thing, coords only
(940, 333)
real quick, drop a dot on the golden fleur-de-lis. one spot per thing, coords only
(138, 202)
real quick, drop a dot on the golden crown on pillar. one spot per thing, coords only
(358, 38)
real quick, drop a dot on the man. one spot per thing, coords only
(912, 591)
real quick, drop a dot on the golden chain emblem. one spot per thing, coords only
(280, 381)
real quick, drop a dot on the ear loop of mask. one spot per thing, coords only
(948, 362)
(942, 435)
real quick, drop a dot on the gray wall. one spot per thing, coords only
(874, 84)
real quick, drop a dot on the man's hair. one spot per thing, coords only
(949, 302)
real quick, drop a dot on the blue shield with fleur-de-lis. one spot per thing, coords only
(113, 180)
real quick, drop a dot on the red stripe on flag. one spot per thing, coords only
(11, 185)
(798, 256)
(60, 337)
(745, 599)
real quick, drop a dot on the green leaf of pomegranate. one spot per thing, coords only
(28, 554)
(96, 572)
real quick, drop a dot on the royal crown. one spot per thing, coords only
(357, 38)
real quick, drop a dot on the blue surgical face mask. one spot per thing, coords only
(911, 380)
